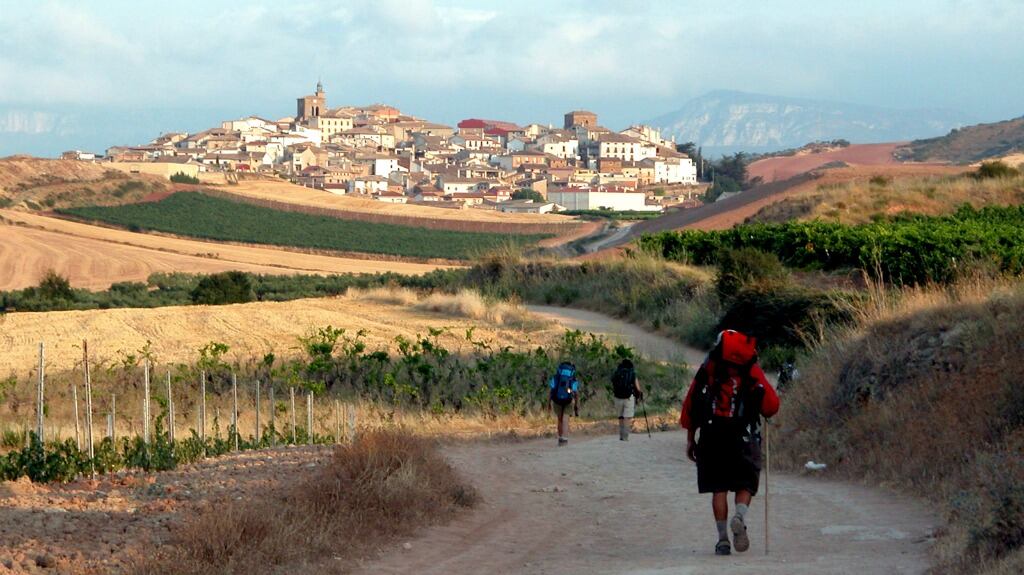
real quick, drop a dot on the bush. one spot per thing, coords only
(55, 287)
(527, 194)
(995, 169)
(223, 288)
(183, 178)
(747, 267)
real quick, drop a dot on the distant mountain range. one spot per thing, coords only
(727, 121)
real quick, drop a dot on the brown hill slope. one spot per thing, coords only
(970, 144)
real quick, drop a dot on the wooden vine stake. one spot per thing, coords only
(257, 436)
(234, 408)
(291, 392)
(40, 398)
(88, 406)
(145, 402)
(309, 417)
(170, 410)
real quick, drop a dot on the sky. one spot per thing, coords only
(91, 74)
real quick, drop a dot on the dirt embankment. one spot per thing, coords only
(785, 167)
(36, 183)
(95, 257)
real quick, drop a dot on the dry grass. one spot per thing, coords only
(94, 257)
(924, 394)
(384, 485)
(466, 304)
(859, 200)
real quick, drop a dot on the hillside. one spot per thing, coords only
(728, 120)
(95, 257)
(969, 144)
(856, 195)
(37, 183)
(785, 167)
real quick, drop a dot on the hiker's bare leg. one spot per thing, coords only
(743, 497)
(720, 506)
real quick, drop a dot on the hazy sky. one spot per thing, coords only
(86, 74)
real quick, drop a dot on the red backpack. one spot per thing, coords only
(737, 348)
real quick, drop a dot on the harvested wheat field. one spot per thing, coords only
(251, 329)
(95, 257)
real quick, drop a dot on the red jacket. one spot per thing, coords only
(725, 403)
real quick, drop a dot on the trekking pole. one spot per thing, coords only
(643, 404)
(767, 473)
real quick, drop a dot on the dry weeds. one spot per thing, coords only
(384, 485)
(856, 197)
(923, 394)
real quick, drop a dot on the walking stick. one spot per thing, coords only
(643, 404)
(767, 474)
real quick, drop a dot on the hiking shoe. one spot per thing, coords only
(562, 442)
(739, 534)
(723, 548)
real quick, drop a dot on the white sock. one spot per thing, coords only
(741, 511)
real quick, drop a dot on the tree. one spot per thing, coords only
(527, 194)
(55, 287)
(223, 288)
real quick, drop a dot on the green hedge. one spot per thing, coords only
(907, 250)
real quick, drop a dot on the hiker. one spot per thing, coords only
(725, 403)
(564, 391)
(627, 391)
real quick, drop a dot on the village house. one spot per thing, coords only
(597, 198)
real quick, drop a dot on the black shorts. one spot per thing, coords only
(725, 462)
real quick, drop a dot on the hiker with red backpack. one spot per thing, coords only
(563, 391)
(722, 415)
(627, 391)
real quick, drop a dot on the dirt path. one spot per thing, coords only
(603, 506)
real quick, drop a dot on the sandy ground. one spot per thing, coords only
(250, 329)
(604, 506)
(94, 257)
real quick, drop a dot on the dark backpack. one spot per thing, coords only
(624, 382)
(564, 378)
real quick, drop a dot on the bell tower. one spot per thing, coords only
(309, 107)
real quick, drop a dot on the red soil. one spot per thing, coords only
(785, 167)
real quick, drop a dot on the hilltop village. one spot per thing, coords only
(377, 151)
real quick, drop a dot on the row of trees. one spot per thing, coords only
(726, 174)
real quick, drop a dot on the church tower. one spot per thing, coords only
(309, 107)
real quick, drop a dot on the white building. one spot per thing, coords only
(368, 185)
(675, 171)
(601, 198)
(625, 148)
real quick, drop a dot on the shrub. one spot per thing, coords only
(183, 178)
(527, 194)
(746, 267)
(995, 169)
(385, 485)
(223, 288)
(55, 287)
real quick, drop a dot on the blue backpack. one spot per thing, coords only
(562, 384)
